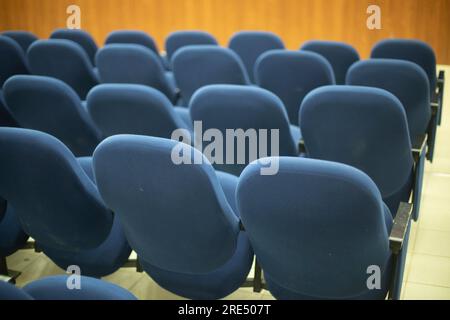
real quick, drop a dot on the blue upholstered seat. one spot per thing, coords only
(13, 61)
(133, 109)
(131, 63)
(291, 75)
(81, 37)
(64, 60)
(132, 37)
(404, 79)
(232, 107)
(58, 204)
(179, 39)
(340, 56)
(365, 128)
(12, 236)
(412, 50)
(55, 288)
(50, 105)
(316, 227)
(201, 65)
(23, 38)
(176, 216)
(249, 45)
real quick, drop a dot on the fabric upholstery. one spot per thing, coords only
(291, 75)
(340, 56)
(83, 38)
(249, 45)
(23, 38)
(179, 39)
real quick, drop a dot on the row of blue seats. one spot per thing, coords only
(183, 221)
(58, 59)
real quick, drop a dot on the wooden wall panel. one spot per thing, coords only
(294, 20)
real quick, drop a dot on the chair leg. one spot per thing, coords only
(6, 274)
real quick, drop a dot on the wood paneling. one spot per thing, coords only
(294, 20)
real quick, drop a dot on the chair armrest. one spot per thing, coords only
(418, 146)
(401, 222)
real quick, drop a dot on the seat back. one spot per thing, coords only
(362, 127)
(315, 227)
(132, 37)
(246, 118)
(404, 79)
(179, 39)
(131, 63)
(83, 38)
(340, 56)
(64, 60)
(13, 59)
(291, 75)
(415, 51)
(132, 109)
(249, 45)
(23, 38)
(198, 66)
(49, 105)
(176, 217)
(56, 202)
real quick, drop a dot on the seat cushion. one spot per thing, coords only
(229, 183)
(213, 285)
(55, 288)
(98, 262)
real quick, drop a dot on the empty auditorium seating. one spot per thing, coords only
(81, 37)
(133, 109)
(179, 39)
(232, 107)
(49, 105)
(291, 75)
(64, 60)
(249, 45)
(318, 228)
(409, 83)
(55, 288)
(198, 66)
(56, 200)
(366, 128)
(340, 56)
(132, 37)
(180, 219)
(131, 63)
(12, 62)
(23, 38)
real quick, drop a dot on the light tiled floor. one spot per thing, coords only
(427, 274)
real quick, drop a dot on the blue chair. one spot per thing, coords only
(133, 109)
(245, 108)
(318, 226)
(409, 83)
(49, 105)
(420, 53)
(23, 38)
(366, 128)
(12, 62)
(55, 288)
(179, 39)
(64, 60)
(57, 203)
(291, 75)
(130, 63)
(340, 56)
(198, 66)
(132, 37)
(81, 37)
(179, 218)
(249, 45)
